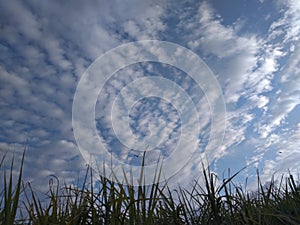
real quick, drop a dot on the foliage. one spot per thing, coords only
(214, 202)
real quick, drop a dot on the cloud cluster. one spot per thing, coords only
(46, 47)
(259, 77)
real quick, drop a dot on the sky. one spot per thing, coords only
(184, 80)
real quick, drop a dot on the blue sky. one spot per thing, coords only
(251, 47)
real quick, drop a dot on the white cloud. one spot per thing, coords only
(236, 55)
(248, 67)
(47, 48)
(286, 99)
(287, 157)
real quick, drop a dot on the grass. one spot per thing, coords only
(109, 202)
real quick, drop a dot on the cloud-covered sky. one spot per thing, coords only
(251, 47)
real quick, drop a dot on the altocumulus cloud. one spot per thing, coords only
(46, 47)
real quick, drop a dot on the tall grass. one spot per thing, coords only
(9, 194)
(213, 201)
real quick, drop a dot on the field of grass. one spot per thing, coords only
(110, 202)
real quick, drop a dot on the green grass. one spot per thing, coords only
(213, 201)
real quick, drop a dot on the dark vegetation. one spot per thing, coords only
(213, 202)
